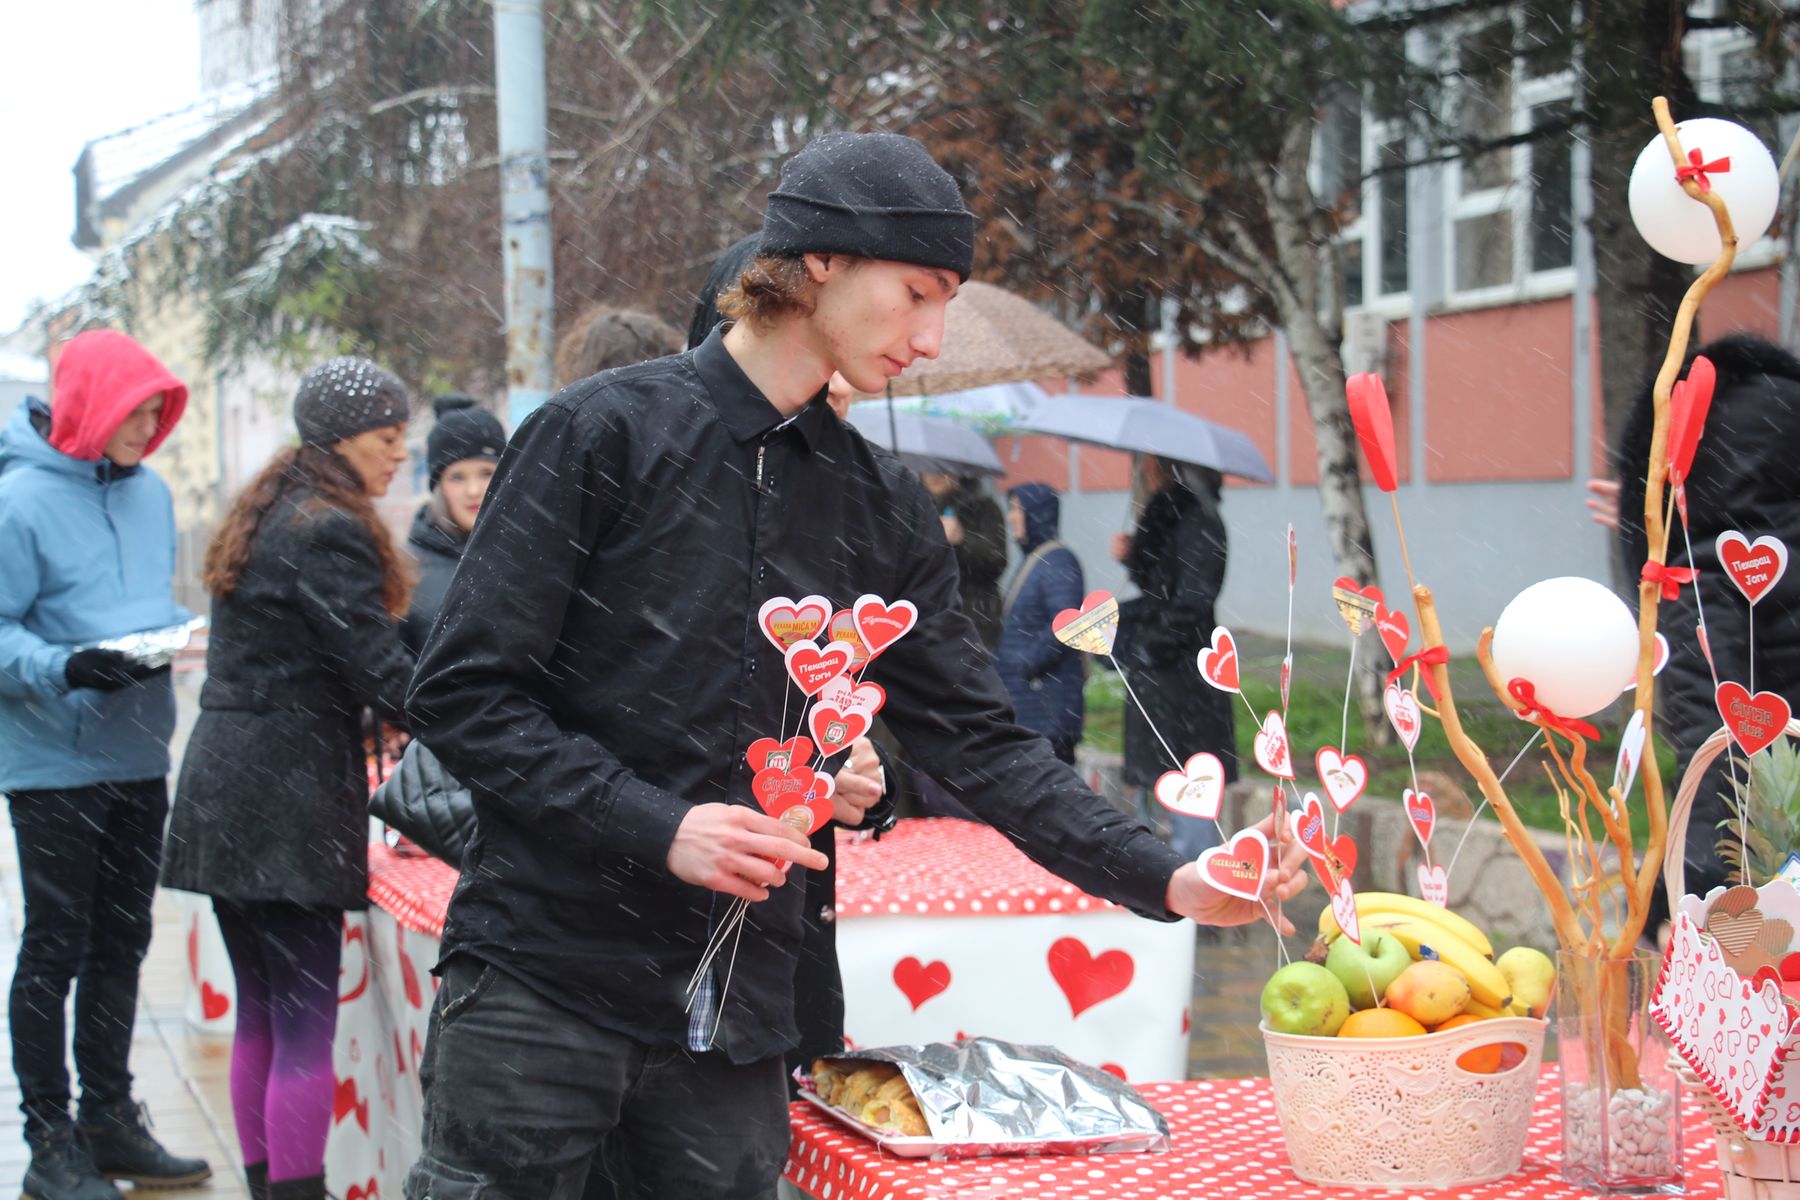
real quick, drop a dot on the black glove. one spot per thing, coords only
(105, 670)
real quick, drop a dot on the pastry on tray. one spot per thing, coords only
(875, 1093)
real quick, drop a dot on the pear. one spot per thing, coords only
(1532, 975)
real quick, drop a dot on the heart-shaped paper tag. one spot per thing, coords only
(1333, 858)
(1754, 721)
(1287, 679)
(1689, 401)
(1403, 712)
(1196, 790)
(784, 621)
(1355, 603)
(1219, 662)
(835, 728)
(1434, 884)
(882, 624)
(1343, 908)
(849, 695)
(1421, 813)
(1237, 868)
(1308, 823)
(1271, 746)
(1754, 567)
(767, 753)
(1091, 628)
(1395, 630)
(778, 789)
(1344, 777)
(1631, 753)
(812, 668)
(811, 811)
(1373, 419)
(842, 628)
(1293, 547)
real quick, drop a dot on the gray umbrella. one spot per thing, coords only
(926, 443)
(1149, 427)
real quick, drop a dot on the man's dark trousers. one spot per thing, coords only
(88, 859)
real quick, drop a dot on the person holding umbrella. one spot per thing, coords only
(1176, 557)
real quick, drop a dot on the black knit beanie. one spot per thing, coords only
(464, 430)
(343, 397)
(874, 195)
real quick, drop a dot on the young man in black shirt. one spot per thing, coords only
(597, 675)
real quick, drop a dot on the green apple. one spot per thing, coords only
(1305, 998)
(1374, 964)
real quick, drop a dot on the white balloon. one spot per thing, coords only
(1572, 639)
(1679, 227)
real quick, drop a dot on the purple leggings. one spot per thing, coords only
(285, 960)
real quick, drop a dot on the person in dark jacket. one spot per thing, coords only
(460, 453)
(87, 554)
(270, 814)
(977, 533)
(1746, 477)
(1042, 676)
(602, 716)
(1176, 558)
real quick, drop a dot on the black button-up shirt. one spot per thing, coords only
(597, 669)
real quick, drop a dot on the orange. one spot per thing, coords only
(1380, 1023)
(1484, 1060)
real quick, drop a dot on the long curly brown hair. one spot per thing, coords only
(334, 484)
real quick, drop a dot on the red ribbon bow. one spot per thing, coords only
(1671, 578)
(1526, 695)
(1435, 656)
(1697, 168)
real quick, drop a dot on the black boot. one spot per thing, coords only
(257, 1176)
(311, 1188)
(118, 1137)
(61, 1169)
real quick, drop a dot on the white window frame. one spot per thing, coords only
(1365, 230)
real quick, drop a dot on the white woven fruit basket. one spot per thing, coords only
(1753, 1170)
(1399, 1112)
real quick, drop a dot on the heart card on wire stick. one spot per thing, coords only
(1239, 866)
(1356, 603)
(812, 667)
(1092, 628)
(785, 622)
(1754, 568)
(1196, 790)
(1344, 776)
(1218, 662)
(882, 624)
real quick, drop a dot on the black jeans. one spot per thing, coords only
(88, 859)
(520, 1093)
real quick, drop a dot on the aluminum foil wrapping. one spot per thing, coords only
(153, 648)
(994, 1097)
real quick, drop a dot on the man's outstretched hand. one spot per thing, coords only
(736, 850)
(1192, 897)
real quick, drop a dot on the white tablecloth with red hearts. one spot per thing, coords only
(1225, 1143)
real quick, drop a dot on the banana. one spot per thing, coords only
(1486, 983)
(1370, 903)
(1477, 1009)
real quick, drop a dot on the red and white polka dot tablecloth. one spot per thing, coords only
(1226, 1145)
(413, 889)
(947, 868)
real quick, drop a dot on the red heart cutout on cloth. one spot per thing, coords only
(1356, 603)
(1754, 567)
(1434, 884)
(784, 621)
(213, 1003)
(1092, 628)
(1689, 401)
(921, 981)
(834, 729)
(812, 668)
(1344, 777)
(353, 936)
(1219, 662)
(1237, 868)
(847, 694)
(882, 624)
(347, 1101)
(1754, 721)
(842, 628)
(765, 753)
(1403, 713)
(409, 974)
(1373, 417)
(1086, 979)
(1394, 628)
(1421, 812)
(1273, 754)
(1196, 790)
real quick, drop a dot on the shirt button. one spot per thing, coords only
(827, 915)
(753, 666)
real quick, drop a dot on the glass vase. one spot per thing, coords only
(1621, 1098)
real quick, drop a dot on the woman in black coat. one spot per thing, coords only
(1176, 557)
(1745, 476)
(270, 815)
(461, 452)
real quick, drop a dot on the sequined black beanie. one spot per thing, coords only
(343, 397)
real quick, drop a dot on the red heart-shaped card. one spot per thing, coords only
(1373, 418)
(767, 753)
(1754, 721)
(835, 728)
(882, 624)
(1754, 567)
(1219, 662)
(784, 621)
(1237, 868)
(812, 668)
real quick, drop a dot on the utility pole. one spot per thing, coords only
(524, 204)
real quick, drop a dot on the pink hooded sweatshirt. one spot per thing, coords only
(101, 376)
